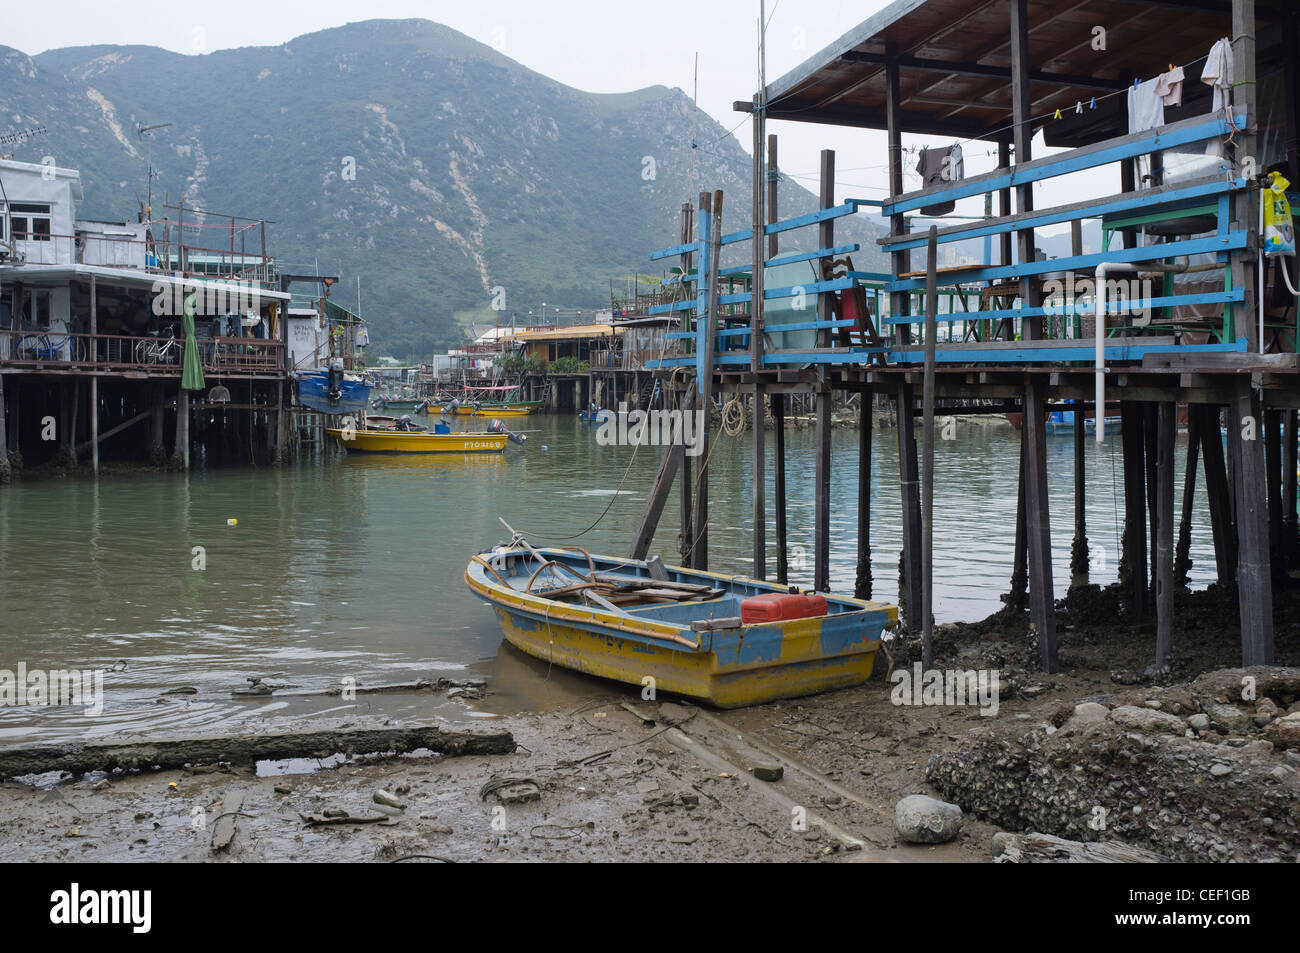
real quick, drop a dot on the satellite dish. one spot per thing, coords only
(219, 395)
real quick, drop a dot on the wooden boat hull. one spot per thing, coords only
(728, 668)
(397, 441)
(399, 406)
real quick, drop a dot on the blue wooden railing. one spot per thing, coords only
(732, 345)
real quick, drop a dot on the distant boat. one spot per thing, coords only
(518, 408)
(595, 416)
(727, 640)
(349, 394)
(405, 405)
(1060, 423)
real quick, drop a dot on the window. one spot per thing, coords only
(37, 309)
(31, 222)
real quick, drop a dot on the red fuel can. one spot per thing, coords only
(780, 606)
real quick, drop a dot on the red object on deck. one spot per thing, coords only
(780, 606)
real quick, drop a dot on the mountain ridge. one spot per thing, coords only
(472, 172)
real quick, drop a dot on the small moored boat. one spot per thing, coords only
(727, 640)
(400, 435)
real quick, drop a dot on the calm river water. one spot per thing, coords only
(352, 566)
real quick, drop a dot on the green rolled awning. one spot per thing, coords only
(192, 374)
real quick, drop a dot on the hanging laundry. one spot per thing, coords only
(1146, 110)
(1169, 86)
(939, 166)
(1217, 72)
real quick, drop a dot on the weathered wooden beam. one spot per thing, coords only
(908, 483)
(1217, 492)
(1183, 549)
(78, 758)
(866, 423)
(1167, 426)
(778, 465)
(927, 452)
(1038, 529)
(1254, 579)
(1079, 546)
(669, 465)
(822, 504)
(1133, 559)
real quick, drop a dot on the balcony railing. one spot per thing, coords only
(983, 319)
(155, 356)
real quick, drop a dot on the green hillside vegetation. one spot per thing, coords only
(474, 176)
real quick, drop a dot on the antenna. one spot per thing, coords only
(146, 132)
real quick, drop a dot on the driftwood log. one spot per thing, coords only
(1046, 849)
(246, 749)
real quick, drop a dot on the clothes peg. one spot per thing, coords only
(1058, 114)
(1078, 108)
(1093, 104)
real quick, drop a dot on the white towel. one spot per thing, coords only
(1169, 87)
(1217, 72)
(1146, 110)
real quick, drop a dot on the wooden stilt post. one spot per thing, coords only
(4, 433)
(782, 542)
(1150, 425)
(756, 347)
(1079, 548)
(1290, 547)
(1018, 593)
(862, 582)
(1244, 202)
(1133, 560)
(1182, 552)
(94, 384)
(910, 592)
(825, 396)
(1272, 424)
(927, 452)
(674, 458)
(1166, 425)
(1038, 529)
(1254, 582)
(1217, 492)
(822, 503)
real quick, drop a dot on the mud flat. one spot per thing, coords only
(1182, 767)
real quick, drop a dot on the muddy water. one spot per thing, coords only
(351, 567)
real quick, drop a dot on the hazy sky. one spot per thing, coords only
(610, 46)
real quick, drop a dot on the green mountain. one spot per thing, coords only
(400, 151)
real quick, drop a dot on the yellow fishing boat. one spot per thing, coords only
(727, 640)
(397, 441)
(483, 410)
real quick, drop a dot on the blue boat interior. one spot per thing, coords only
(719, 597)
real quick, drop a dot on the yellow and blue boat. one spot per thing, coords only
(683, 631)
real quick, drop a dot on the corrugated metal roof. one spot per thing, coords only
(955, 59)
(572, 332)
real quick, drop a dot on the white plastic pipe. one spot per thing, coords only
(1099, 295)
